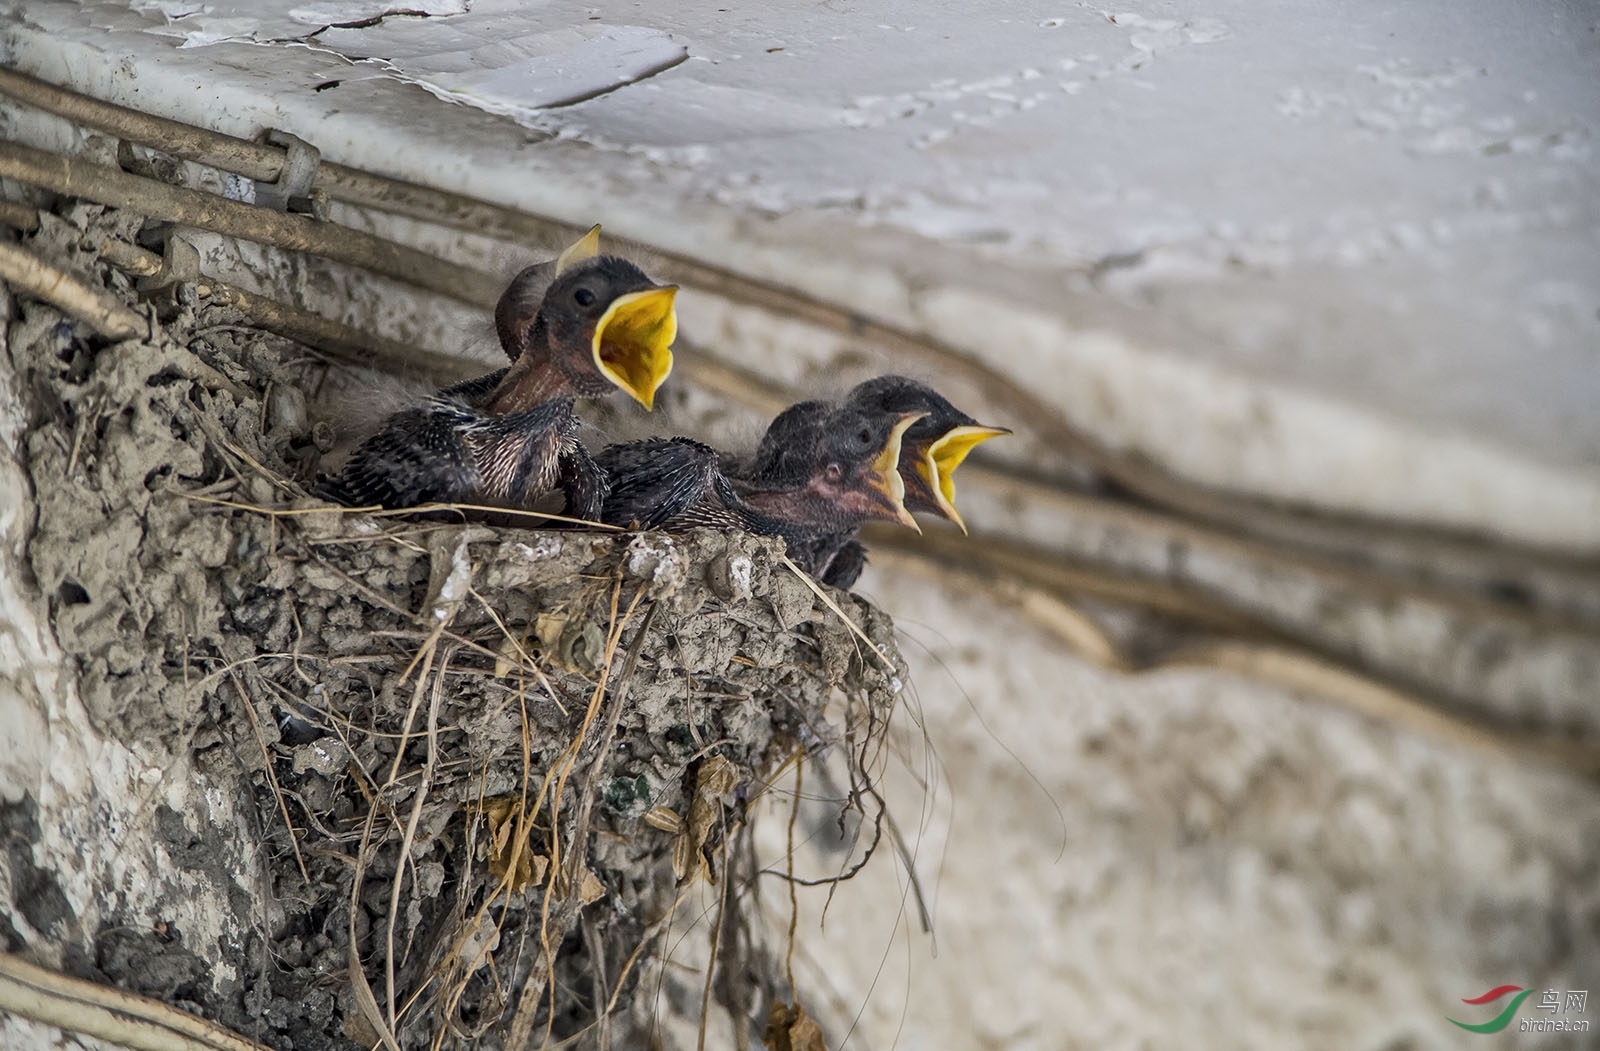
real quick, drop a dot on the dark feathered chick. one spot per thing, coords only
(820, 473)
(934, 446)
(510, 437)
(830, 466)
(448, 450)
(600, 325)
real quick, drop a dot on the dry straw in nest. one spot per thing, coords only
(489, 764)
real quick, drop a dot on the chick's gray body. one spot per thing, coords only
(678, 483)
(448, 450)
(508, 438)
(675, 484)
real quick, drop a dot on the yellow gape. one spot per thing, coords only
(633, 341)
(938, 467)
(884, 474)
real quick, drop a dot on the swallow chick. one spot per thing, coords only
(583, 325)
(508, 438)
(934, 446)
(828, 548)
(820, 472)
(518, 307)
(829, 466)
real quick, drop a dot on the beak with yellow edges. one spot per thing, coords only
(934, 468)
(934, 448)
(632, 344)
(585, 247)
(882, 475)
(606, 323)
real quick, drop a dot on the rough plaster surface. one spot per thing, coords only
(67, 787)
(1191, 859)
(1356, 244)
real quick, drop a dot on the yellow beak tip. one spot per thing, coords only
(585, 247)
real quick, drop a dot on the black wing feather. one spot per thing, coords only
(446, 451)
(418, 457)
(844, 568)
(656, 480)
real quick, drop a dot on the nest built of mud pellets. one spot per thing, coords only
(484, 766)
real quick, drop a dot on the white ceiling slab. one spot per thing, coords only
(1342, 254)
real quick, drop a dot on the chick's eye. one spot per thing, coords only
(584, 297)
(865, 437)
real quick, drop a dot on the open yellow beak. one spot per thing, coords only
(585, 247)
(944, 455)
(884, 472)
(633, 341)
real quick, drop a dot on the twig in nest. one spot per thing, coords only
(98, 309)
(522, 1021)
(794, 898)
(360, 988)
(595, 943)
(226, 444)
(272, 777)
(716, 938)
(428, 771)
(845, 876)
(524, 658)
(827, 600)
(378, 511)
(909, 859)
(521, 830)
(425, 656)
(619, 701)
(77, 1006)
(662, 925)
(384, 1026)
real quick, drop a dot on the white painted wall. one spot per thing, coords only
(1343, 253)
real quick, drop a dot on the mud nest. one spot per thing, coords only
(482, 764)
